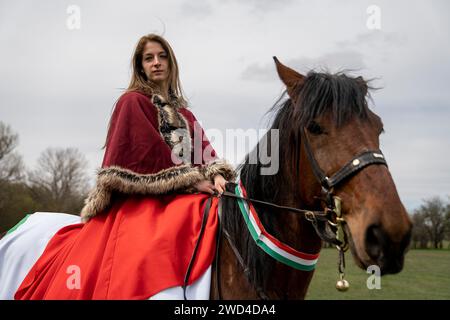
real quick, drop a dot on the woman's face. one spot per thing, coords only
(155, 62)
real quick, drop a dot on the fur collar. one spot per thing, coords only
(174, 128)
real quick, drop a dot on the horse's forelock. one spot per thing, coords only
(342, 95)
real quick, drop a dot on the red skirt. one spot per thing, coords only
(139, 247)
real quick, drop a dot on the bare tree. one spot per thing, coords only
(420, 234)
(8, 140)
(447, 223)
(14, 198)
(11, 164)
(59, 182)
(434, 214)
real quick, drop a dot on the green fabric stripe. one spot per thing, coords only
(263, 246)
(18, 224)
(284, 260)
(250, 227)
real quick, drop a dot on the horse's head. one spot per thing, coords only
(332, 112)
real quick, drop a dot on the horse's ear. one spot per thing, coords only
(290, 77)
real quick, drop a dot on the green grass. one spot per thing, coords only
(426, 275)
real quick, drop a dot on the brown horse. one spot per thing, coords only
(327, 114)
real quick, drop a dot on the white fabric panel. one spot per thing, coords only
(21, 248)
(199, 290)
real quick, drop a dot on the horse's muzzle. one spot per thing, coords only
(387, 254)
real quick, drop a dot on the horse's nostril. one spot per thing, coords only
(375, 240)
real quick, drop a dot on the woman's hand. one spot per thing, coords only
(204, 186)
(219, 183)
(207, 186)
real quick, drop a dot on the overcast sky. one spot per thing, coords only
(58, 83)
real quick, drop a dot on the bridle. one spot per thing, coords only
(328, 223)
(333, 203)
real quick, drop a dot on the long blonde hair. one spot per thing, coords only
(139, 81)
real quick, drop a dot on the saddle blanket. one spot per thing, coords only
(139, 249)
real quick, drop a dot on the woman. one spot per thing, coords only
(141, 224)
(152, 132)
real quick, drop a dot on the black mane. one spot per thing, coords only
(345, 98)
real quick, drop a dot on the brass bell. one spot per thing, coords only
(342, 285)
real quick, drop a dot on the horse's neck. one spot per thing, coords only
(292, 229)
(295, 231)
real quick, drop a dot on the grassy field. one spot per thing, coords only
(426, 275)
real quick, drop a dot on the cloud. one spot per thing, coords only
(332, 62)
(417, 149)
(374, 38)
(196, 9)
(259, 72)
(262, 5)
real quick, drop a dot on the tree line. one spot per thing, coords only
(431, 224)
(58, 183)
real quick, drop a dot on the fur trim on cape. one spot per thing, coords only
(178, 179)
(174, 128)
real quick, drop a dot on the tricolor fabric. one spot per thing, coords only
(272, 246)
(22, 246)
(132, 252)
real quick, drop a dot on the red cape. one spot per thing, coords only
(142, 246)
(140, 238)
(134, 138)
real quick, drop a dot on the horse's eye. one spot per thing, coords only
(315, 128)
